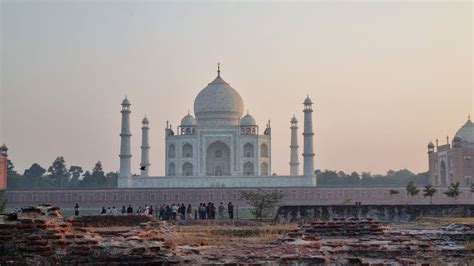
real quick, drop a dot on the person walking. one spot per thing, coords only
(76, 210)
(129, 209)
(124, 210)
(221, 210)
(174, 211)
(103, 211)
(230, 209)
(189, 212)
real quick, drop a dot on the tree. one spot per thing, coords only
(13, 178)
(429, 191)
(34, 175)
(262, 201)
(412, 190)
(453, 191)
(96, 178)
(394, 192)
(75, 174)
(58, 172)
(3, 201)
(111, 179)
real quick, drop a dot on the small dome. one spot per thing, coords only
(188, 120)
(145, 120)
(248, 120)
(293, 119)
(430, 145)
(308, 100)
(126, 101)
(466, 132)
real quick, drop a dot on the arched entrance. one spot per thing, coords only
(443, 173)
(218, 159)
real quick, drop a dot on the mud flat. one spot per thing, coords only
(41, 236)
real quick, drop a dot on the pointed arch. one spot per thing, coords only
(171, 169)
(264, 169)
(249, 169)
(172, 151)
(187, 151)
(248, 150)
(187, 169)
(264, 150)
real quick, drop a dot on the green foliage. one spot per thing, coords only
(412, 190)
(429, 191)
(394, 192)
(398, 178)
(58, 173)
(453, 191)
(262, 201)
(59, 176)
(3, 201)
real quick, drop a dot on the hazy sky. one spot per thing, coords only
(386, 78)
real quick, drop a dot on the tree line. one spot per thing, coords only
(400, 178)
(58, 175)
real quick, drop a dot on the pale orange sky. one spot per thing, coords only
(386, 78)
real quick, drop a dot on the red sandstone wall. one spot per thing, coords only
(292, 196)
(3, 172)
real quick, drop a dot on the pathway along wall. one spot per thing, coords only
(386, 213)
(96, 198)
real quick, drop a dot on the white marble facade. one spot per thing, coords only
(220, 147)
(220, 141)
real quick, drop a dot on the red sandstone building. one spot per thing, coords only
(3, 166)
(450, 163)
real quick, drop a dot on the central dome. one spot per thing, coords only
(218, 104)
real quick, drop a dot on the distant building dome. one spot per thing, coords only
(430, 145)
(218, 102)
(3, 147)
(188, 120)
(248, 120)
(466, 132)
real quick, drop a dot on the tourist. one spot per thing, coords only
(124, 210)
(221, 211)
(129, 209)
(161, 212)
(150, 210)
(212, 211)
(139, 209)
(203, 211)
(230, 209)
(168, 212)
(114, 210)
(145, 210)
(76, 210)
(109, 211)
(189, 212)
(103, 211)
(174, 211)
(182, 211)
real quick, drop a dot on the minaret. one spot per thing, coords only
(145, 164)
(308, 153)
(3, 166)
(294, 164)
(125, 135)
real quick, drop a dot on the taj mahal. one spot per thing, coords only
(219, 147)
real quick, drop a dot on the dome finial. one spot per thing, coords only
(218, 69)
(469, 117)
(247, 111)
(188, 111)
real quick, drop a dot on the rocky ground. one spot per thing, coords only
(41, 236)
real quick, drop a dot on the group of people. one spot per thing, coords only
(174, 211)
(129, 210)
(204, 211)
